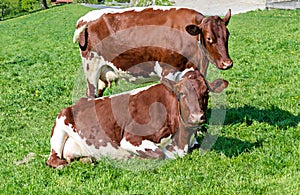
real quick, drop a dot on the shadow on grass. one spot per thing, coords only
(273, 116)
(231, 147)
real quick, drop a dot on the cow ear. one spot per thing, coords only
(217, 85)
(168, 83)
(199, 18)
(193, 30)
(227, 17)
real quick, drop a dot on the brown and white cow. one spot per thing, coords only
(116, 40)
(156, 121)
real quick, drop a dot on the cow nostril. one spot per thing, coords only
(227, 63)
(203, 118)
(197, 118)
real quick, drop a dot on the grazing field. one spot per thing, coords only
(257, 151)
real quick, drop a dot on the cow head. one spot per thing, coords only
(192, 94)
(213, 35)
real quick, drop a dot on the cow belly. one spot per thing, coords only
(79, 148)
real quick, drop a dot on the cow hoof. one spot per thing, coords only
(55, 162)
(60, 167)
(59, 164)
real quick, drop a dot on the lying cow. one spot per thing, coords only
(131, 38)
(156, 121)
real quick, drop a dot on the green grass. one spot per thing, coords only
(257, 151)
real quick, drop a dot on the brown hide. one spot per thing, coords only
(167, 110)
(99, 119)
(170, 36)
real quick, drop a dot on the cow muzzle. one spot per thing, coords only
(226, 64)
(196, 119)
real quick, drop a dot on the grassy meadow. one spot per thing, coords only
(257, 151)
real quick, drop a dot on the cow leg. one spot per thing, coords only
(149, 153)
(99, 74)
(108, 74)
(147, 149)
(91, 66)
(57, 141)
(54, 161)
(72, 150)
(101, 87)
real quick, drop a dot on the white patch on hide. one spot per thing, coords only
(146, 144)
(72, 150)
(132, 92)
(158, 69)
(78, 32)
(138, 90)
(76, 146)
(177, 76)
(59, 135)
(173, 76)
(97, 68)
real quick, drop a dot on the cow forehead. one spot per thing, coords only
(214, 24)
(197, 87)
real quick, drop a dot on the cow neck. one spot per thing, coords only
(205, 55)
(179, 110)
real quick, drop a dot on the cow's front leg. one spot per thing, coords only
(147, 149)
(150, 153)
(57, 142)
(54, 161)
(72, 150)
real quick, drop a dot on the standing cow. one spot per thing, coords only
(156, 121)
(116, 40)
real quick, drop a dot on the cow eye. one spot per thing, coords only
(209, 39)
